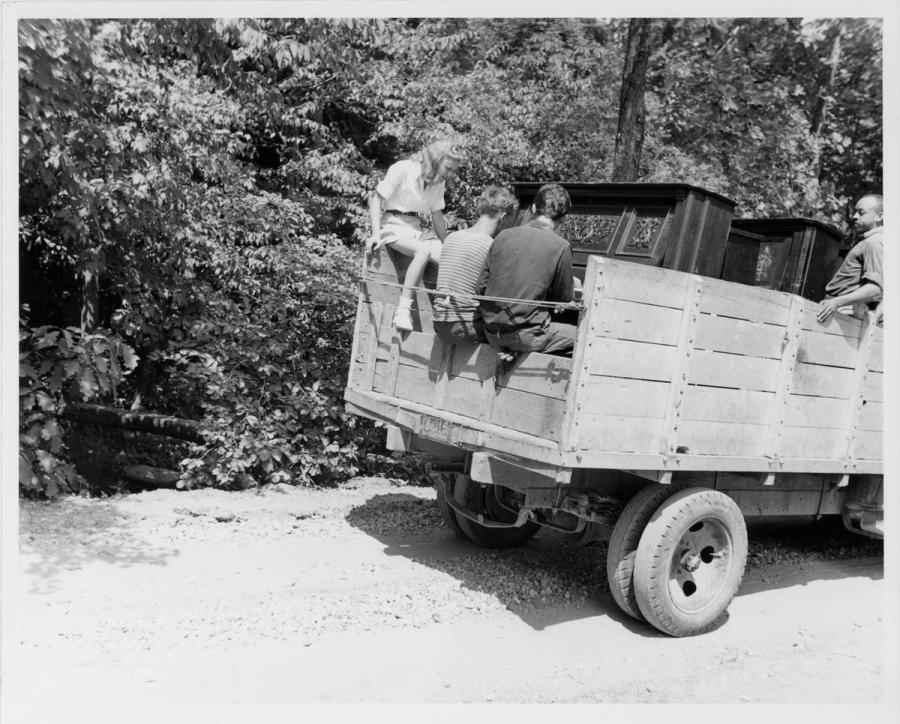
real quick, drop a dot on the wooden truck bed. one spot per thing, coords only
(671, 372)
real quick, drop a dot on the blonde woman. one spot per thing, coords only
(412, 187)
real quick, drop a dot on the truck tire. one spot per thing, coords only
(624, 542)
(690, 561)
(479, 499)
(444, 487)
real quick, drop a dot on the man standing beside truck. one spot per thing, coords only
(530, 263)
(860, 278)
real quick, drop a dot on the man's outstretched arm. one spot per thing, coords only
(865, 293)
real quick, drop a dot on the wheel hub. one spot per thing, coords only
(690, 561)
(698, 573)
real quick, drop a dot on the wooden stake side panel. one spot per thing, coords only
(419, 368)
(739, 382)
(728, 361)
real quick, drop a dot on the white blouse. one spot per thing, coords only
(402, 189)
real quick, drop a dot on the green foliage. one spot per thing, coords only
(733, 106)
(267, 363)
(213, 174)
(55, 366)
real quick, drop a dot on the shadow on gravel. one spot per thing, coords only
(69, 534)
(545, 582)
(790, 552)
(549, 581)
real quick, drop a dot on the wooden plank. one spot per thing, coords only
(486, 397)
(698, 437)
(873, 389)
(857, 398)
(739, 301)
(415, 347)
(461, 431)
(379, 377)
(612, 433)
(871, 417)
(637, 322)
(645, 285)
(422, 319)
(816, 412)
(376, 274)
(476, 362)
(585, 458)
(876, 362)
(687, 332)
(443, 373)
(783, 384)
(373, 291)
(721, 369)
(463, 396)
(839, 324)
(413, 384)
(869, 445)
(822, 381)
(527, 412)
(827, 349)
(637, 360)
(737, 336)
(588, 321)
(783, 481)
(715, 404)
(625, 397)
(359, 338)
(809, 442)
(396, 338)
(543, 374)
(776, 502)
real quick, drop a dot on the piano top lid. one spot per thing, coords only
(621, 189)
(781, 224)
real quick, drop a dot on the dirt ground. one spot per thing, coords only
(361, 594)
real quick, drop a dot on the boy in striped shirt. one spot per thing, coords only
(456, 315)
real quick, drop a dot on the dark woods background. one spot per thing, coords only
(192, 197)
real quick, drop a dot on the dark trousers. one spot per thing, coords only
(550, 337)
(461, 331)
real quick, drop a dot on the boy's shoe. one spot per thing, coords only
(403, 319)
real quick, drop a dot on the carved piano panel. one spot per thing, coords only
(644, 233)
(593, 231)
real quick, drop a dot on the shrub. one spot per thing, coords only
(57, 365)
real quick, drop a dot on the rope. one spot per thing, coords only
(577, 306)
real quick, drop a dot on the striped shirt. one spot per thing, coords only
(462, 261)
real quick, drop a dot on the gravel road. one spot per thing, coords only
(361, 594)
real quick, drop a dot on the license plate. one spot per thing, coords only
(438, 429)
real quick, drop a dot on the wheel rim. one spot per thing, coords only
(701, 565)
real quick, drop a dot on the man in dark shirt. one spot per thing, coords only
(530, 262)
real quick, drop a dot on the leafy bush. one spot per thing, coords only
(55, 366)
(267, 363)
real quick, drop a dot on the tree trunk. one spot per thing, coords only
(630, 129)
(137, 421)
(151, 477)
(90, 304)
(821, 109)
